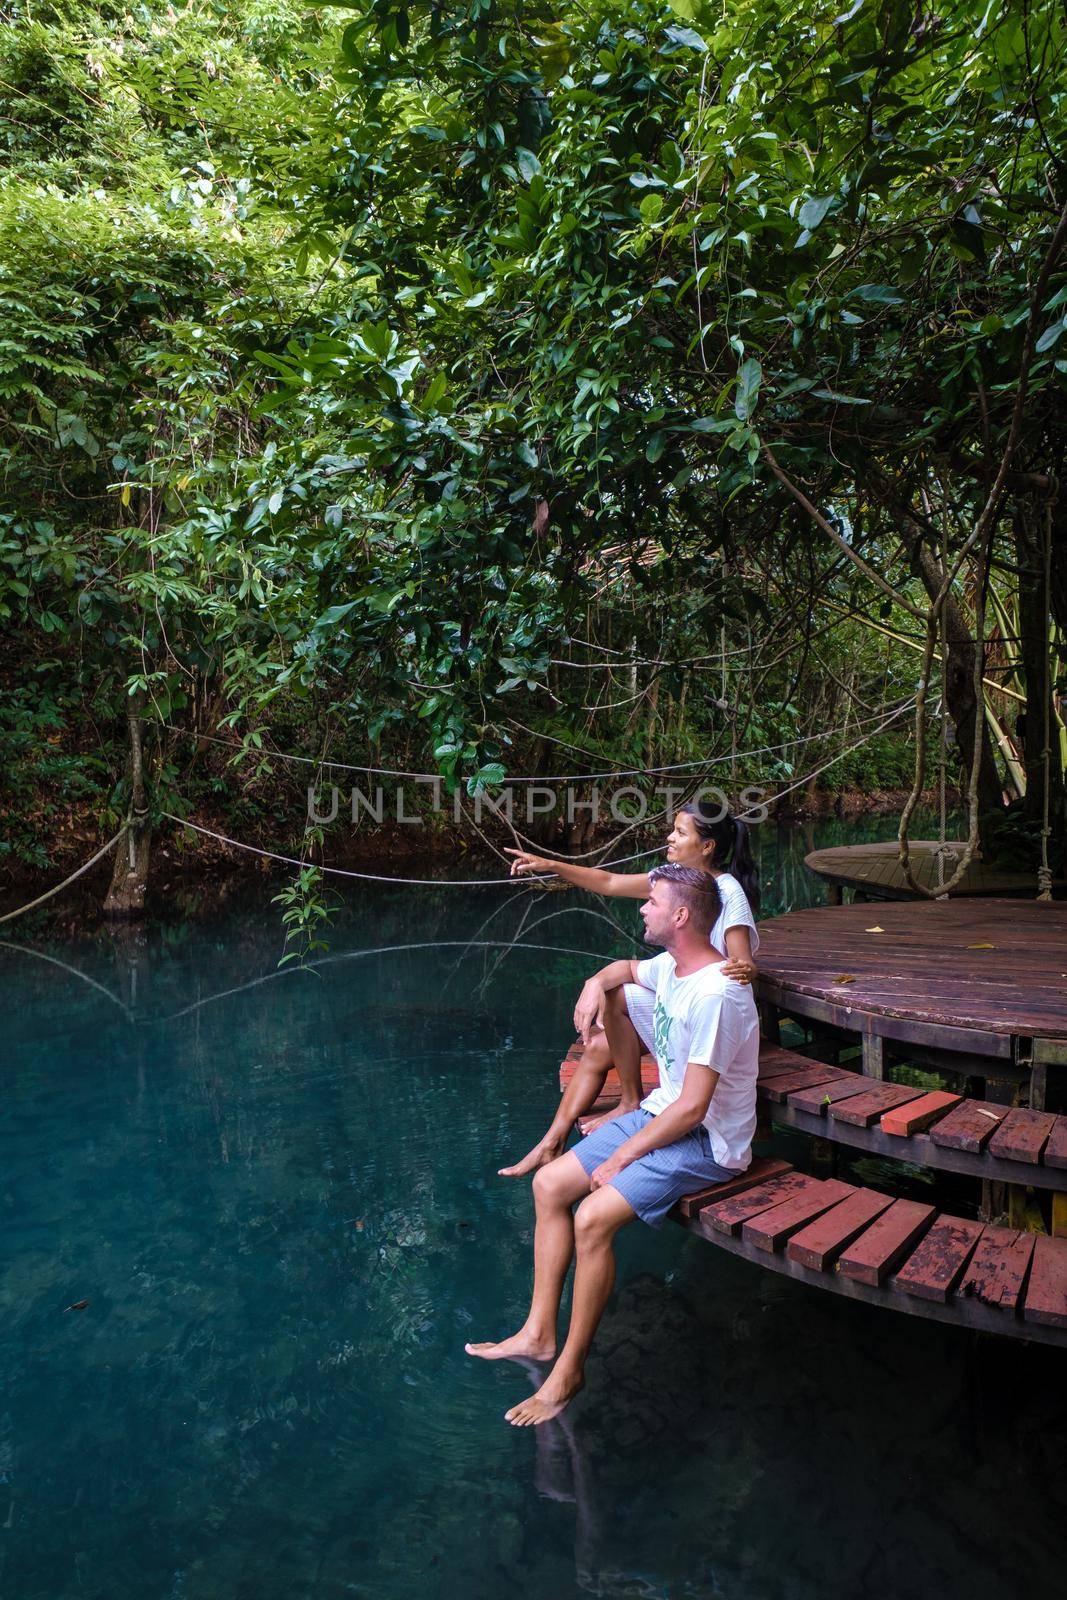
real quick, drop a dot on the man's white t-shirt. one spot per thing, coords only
(736, 913)
(712, 1021)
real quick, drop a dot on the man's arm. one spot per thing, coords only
(589, 1011)
(685, 1114)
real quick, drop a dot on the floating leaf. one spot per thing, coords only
(77, 1305)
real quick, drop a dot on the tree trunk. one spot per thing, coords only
(959, 685)
(1034, 649)
(129, 877)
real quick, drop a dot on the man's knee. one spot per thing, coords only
(551, 1186)
(598, 1218)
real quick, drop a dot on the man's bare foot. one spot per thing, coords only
(541, 1154)
(521, 1345)
(554, 1395)
(589, 1124)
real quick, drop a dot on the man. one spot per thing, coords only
(694, 1129)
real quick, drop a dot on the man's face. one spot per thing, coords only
(659, 914)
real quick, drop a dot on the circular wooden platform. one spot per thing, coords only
(962, 975)
(874, 870)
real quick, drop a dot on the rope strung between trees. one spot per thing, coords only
(51, 893)
(551, 777)
(527, 878)
(373, 877)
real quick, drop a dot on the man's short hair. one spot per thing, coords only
(695, 890)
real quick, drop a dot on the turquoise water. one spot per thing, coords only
(277, 1195)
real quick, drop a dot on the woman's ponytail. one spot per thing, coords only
(733, 851)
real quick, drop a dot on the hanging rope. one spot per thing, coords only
(551, 777)
(527, 879)
(1044, 872)
(51, 893)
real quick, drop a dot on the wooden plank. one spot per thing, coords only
(1022, 1135)
(1046, 1291)
(772, 1228)
(969, 1127)
(871, 1257)
(775, 1059)
(822, 1241)
(761, 1171)
(916, 1115)
(957, 1312)
(1055, 1152)
(863, 1109)
(997, 1270)
(729, 1216)
(815, 1100)
(811, 1076)
(936, 1264)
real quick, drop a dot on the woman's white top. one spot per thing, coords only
(736, 913)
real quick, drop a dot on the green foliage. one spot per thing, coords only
(415, 373)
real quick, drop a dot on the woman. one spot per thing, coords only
(716, 844)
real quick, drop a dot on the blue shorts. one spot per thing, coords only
(652, 1183)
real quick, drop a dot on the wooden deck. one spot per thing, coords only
(898, 1254)
(868, 1245)
(929, 1128)
(875, 873)
(983, 977)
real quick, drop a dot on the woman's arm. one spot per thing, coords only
(620, 885)
(739, 962)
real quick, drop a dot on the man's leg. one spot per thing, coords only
(582, 1092)
(556, 1188)
(624, 1048)
(597, 1221)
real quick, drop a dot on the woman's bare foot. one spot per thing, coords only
(554, 1395)
(589, 1124)
(542, 1153)
(526, 1344)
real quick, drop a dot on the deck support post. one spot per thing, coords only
(873, 1055)
(768, 1023)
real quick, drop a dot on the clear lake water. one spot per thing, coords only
(275, 1192)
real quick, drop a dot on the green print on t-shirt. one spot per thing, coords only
(661, 1032)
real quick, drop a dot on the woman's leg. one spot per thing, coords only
(582, 1092)
(624, 1047)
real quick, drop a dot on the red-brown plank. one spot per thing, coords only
(821, 1241)
(1055, 1152)
(860, 1110)
(771, 1228)
(728, 1216)
(918, 1114)
(816, 1099)
(1046, 1291)
(761, 1171)
(776, 1089)
(875, 1252)
(1022, 1135)
(935, 1265)
(969, 1127)
(997, 1270)
(774, 1060)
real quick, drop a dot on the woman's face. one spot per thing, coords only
(686, 847)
